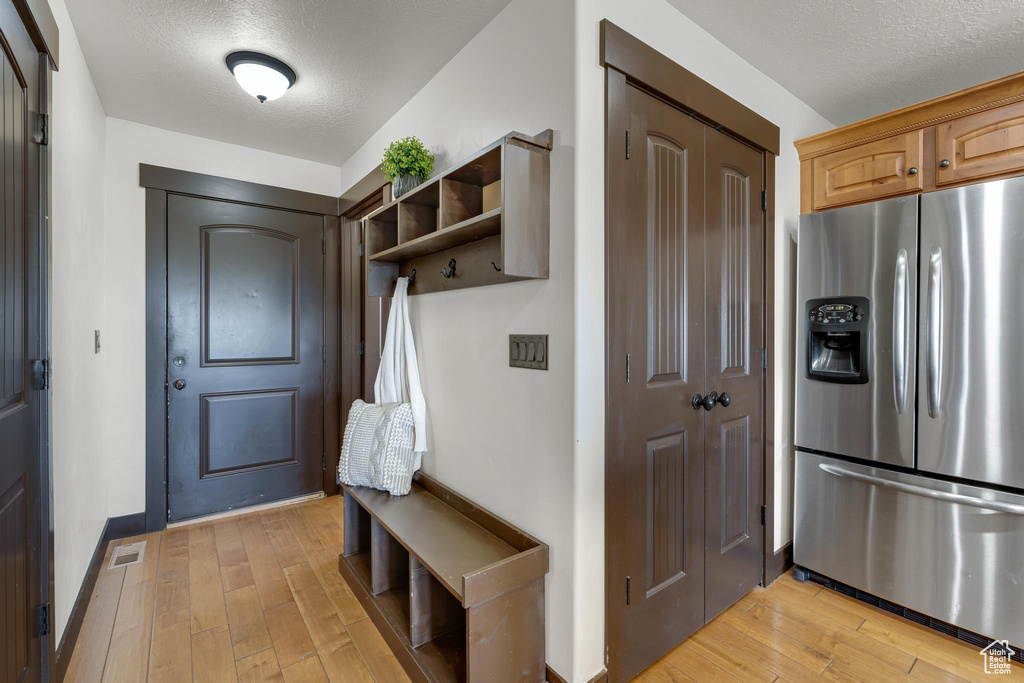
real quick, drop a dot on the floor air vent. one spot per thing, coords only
(971, 637)
(125, 555)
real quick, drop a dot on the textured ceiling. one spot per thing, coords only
(161, 63)
(851, 59)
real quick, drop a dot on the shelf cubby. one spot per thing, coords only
(501, 192)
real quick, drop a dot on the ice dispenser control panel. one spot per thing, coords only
(837, 339)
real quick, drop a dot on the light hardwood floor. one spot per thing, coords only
(258, 597)
(255, 597)
(795, 631)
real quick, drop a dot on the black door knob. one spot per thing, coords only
(697, 402)
(710, 400)
(724, 399)
(179, 384)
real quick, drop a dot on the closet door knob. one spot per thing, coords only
(912, 170)
(710, 400)
(724, 400)
(179, 384)
(944, 163)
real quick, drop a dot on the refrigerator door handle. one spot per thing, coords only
(993, 505)
(900, 330)
(934, 340)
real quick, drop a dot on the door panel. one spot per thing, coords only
(245, 337)
(23, 488)
(655, 477)
(869, 171)
(969, 403)
(733, 442)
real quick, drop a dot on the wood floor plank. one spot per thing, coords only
(324, 562)
(793, 603)
(337, 652)
(261, 667)
(266, 570)
(832, 639)
(246, 623)
(128, 656)
(949, 656)
(378, 656)
(206, 591)
(234, 562)
(923, 671)
(662, 672)
(212, 657)
(307, 671)
(799, 652)
(285, 545)
(690, 665)
(288, 632)
(170, 659)
(90, 651)
(738, 667)
(745, 603)
(722, 638)
(807, 587)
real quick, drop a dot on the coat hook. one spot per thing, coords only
(450, 273)
(412, 277)
(495, 267)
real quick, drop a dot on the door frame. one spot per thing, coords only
(159, 182)
(628, 61)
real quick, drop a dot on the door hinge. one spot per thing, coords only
(627, 591)
(362, 348)
(323, 462)
(41, 374)
(764, 358)
(42, 135)
(627, 144)
(764, 200)
(323, 246)
(627, 367)
(44, 619)
(324, 356)
(361, 249)
(764, 515)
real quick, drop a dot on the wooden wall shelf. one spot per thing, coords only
(491, 213)
(457, 593)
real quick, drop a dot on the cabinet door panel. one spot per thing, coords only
(871, 171)
(984, 144)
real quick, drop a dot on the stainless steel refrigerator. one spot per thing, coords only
(910, 403)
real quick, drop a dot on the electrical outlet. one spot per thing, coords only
(528, 351)
(97, 341)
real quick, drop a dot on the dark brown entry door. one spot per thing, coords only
(683, 479)
(245, 345)
(22, 554)
(732, 445)
(655, 486)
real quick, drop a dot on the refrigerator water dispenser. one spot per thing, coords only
(837, 339)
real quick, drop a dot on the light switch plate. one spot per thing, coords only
(528, 351)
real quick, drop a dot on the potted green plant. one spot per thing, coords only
(406, 164)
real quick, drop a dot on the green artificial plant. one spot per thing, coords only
(407, 156)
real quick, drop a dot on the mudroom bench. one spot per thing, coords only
(457, 592)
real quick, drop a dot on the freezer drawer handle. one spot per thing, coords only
(900, 326)
(994, 505)
(934, 340)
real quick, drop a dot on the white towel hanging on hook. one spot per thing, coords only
(398, 378)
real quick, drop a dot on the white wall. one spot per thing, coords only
(128, 145)
(77, 308)
(667, 30)
(503, 436)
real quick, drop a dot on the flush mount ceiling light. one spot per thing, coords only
(260, 75)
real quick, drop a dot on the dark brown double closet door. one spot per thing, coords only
(245, 355)
(685, 314)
